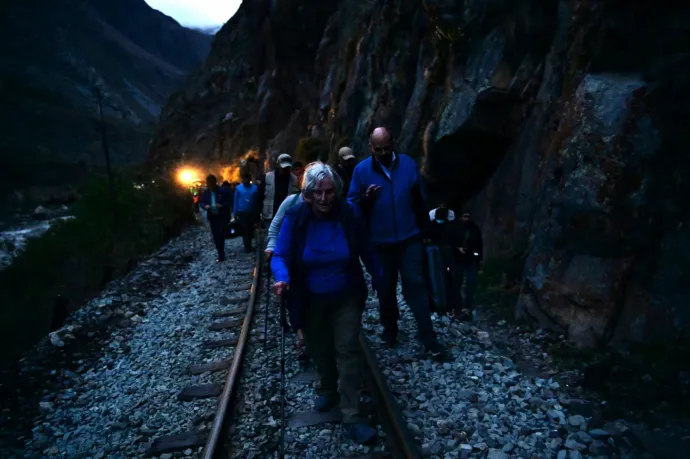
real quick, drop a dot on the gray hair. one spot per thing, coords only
(317, 171)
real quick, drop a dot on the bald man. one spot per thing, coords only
(387, 188)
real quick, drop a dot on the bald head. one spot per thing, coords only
(380, 135)
(382, 146)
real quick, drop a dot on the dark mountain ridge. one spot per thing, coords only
(53, 56)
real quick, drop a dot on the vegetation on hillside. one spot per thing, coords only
(75, 258)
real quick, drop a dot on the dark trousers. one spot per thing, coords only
(331, 329)
(408, 258)
(246, 220)
(219, 226)
(467, 272)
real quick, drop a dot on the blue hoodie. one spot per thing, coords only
(398, 212)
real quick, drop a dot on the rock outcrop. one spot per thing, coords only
(560, 124)
(54, 54)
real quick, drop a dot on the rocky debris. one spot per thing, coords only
(120, 391)
(484, 403)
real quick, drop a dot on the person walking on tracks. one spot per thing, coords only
(245, 210)
(471, 251)
(317, 258)
(346, 166)
(387, 187)
(276, 186)
(217, 205)
(273, 232)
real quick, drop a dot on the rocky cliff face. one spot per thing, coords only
(53, 56)
(560, 124)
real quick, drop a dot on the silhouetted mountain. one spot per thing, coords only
(53, 53)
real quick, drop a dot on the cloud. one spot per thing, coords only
(197, 13)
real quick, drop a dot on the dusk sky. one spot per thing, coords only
(197, 13)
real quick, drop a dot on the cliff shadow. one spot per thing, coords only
(458, 165)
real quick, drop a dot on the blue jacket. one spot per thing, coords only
(287, 264)
(245, 198)
(222, 198)
(398, 211)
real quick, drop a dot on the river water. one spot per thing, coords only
(14, 236)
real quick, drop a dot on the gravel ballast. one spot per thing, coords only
(119, 391)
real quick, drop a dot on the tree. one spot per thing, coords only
(97, 87)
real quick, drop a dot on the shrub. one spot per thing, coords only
(73, 257)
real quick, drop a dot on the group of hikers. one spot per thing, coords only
(320, 227)
(246, 203)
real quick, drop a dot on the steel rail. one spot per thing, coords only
(234, 372)
(398, 435)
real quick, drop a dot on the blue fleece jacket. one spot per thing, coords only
(398, 209)
(326, 257)
(321, 257)
(245, 198)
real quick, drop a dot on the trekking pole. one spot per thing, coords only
(282, 377)
(268, 302)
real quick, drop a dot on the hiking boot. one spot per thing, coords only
(324, 403)
(437, 353)
(360, 433)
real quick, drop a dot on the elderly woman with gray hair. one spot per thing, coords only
(317, 258)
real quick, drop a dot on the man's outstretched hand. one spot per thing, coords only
(371, 191)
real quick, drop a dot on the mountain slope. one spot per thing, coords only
(54, 53)
(561, 124)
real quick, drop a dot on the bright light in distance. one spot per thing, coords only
(187, 176)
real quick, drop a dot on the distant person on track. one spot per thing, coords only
(216, 203)
(273, 232)
(445, 234)
(471, 250)
(245, 210)
(346, 166)
(317, 259)
(276, 186)
(387, 188)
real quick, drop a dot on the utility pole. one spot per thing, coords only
(98, 92)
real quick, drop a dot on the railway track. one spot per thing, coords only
(255, 395)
